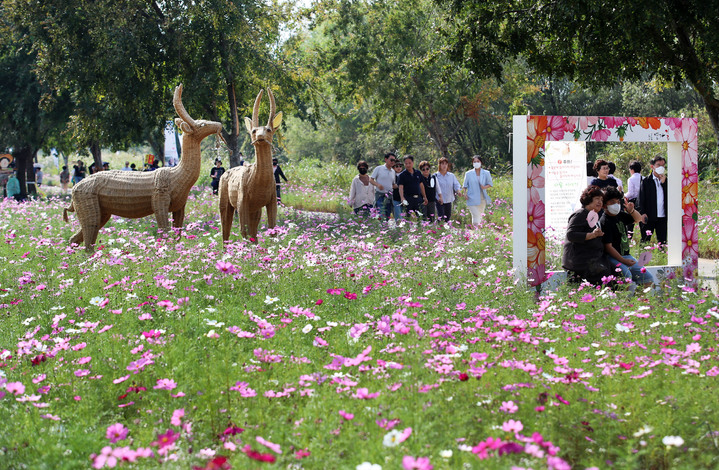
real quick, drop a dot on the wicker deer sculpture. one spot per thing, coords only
(138, 194)
(247, 189)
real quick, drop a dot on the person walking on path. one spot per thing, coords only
(216, 173)
(384, 176)
(64, 178)
(476, 183)
(411, 187)
(362, 190)
(278, 173)
(447, 188)
(429, 180)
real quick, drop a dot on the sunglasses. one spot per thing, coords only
(399, 165)
(425, 168)
(392, 160)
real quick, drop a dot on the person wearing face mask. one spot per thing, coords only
(653, 201)
(583, 254)
(362, 190)
(474, 189)
(616, 244)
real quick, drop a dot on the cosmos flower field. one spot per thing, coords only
(336, 343)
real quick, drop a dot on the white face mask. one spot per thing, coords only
(477, 165)
(659, 170)
(613, 209)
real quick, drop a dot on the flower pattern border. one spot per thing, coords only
(541, 129)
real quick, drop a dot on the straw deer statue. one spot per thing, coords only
(138, 194)
(247, 189)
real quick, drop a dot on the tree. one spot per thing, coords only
(30, 114)
(594, 43)
(390, 54)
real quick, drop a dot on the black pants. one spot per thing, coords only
(444, 211)
(415, 205)
(429, 211)
(660, 225)
(215, 184)
(279, 198)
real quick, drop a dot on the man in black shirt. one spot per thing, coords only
(411, 187)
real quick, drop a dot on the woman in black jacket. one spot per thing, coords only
(584, 256)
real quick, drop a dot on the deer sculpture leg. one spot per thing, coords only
(254, 223)
(271, 214)
(77, 238)
(89, 215)
(178, 218)
(227, 210)
(161, 207)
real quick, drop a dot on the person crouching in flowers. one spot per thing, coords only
(616, 244)
(362, 190)
(583, 256)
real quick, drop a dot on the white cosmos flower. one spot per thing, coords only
(445, 454)
(307, 328)
(673, 441)
(391, 438)
(368, 466)
(643, 430)
(621, 328)
(270, 300)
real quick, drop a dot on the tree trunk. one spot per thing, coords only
(24, 168)
(713, 112)
(232, 139)
(96, 152)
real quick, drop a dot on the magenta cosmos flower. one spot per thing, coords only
(116, 432)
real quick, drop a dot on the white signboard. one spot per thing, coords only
(171, 157)
(565, 179)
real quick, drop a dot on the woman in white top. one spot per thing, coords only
(361, 190)
(447, 187)
(476, 183)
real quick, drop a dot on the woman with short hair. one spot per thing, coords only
(583, 256)
(362, 190)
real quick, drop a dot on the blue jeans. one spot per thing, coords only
(397, 207)
(383, 204)
(633, 272)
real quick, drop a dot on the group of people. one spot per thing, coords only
(396, 189)
(597, 246)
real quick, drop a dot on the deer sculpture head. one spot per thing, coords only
(197, 129)
(263, 133)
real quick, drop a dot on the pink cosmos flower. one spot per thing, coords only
(165, 384)
(166, 439)
(512, 426)
(508, 407)
(345, 415)
(273, 447)
(419, 463)
(177, 416)
(363, 394)
(690, 238)
(555, 127)
(226, 267)
(535, 216)
(535, 181)
(16, 388)
(601, 135)
(116, 432)
(611, 122)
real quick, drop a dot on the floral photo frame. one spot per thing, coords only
(531, 133)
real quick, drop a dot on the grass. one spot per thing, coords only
(276, 350)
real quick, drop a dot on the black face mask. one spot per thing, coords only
(362, 171)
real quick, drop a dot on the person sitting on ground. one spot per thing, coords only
(616, 243)
(429, 180)
(583, 256)
(447, 188)
(411, 188)
(362, 190)
(602, 180)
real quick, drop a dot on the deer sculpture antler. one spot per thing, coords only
(189, 123)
